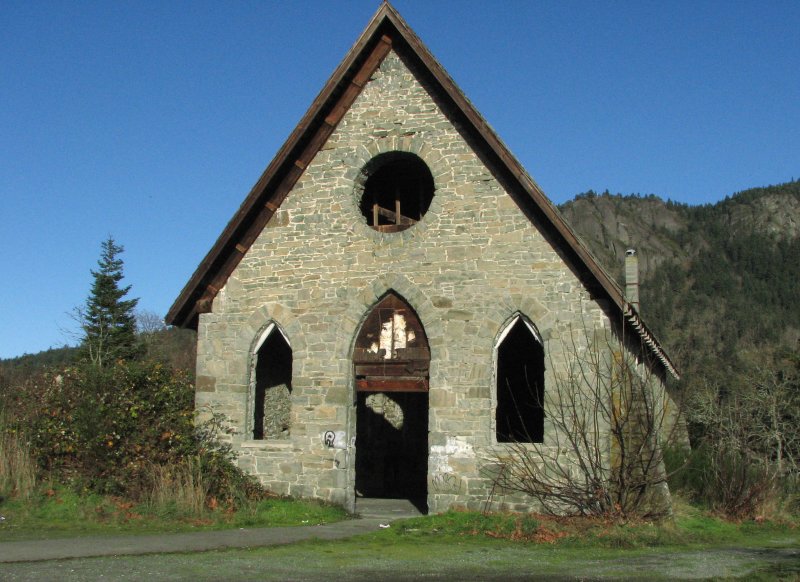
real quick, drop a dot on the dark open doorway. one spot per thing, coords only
(391, 362)
(392, 445)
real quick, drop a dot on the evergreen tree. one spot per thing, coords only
(108, 321)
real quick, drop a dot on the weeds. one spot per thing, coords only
(609, 415)
(17, 465)
(691, 525)
(180, 484)
(58, 511)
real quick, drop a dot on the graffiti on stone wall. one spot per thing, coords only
(446, 483)
(335, 439)
(443, 476)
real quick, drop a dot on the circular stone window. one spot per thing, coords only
(397, 192)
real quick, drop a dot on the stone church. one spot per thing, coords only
(395, 298)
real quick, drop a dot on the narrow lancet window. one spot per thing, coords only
(273, 387)
(520, 385)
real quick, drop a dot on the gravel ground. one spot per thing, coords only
(330, 561)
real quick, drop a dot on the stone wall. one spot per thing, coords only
(467, 268)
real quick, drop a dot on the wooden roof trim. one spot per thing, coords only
(636, 323)
(519, 173)
(316, 126)
(197, 295)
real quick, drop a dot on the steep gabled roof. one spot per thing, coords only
(385, 32)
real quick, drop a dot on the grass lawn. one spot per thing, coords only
(62, 513)
(450, 546)
(422, 549)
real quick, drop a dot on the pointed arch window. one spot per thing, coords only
(272, 392)
(519, 414)
(391, 352)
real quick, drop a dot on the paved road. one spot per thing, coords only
(374, 512)
(201, 541)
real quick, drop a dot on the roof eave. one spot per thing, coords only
(195, 298)
(198, 294)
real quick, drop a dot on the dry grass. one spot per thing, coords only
(17, 466)
(180, 485)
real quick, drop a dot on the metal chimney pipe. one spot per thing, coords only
(632, 278)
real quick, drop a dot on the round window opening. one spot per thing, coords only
(397, 192)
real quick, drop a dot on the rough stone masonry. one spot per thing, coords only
(468, 267)
(473, 271)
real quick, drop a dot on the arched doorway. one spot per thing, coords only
(391, 362)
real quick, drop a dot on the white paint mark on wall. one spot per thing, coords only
(453, 447)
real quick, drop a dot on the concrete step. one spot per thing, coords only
(382, 508)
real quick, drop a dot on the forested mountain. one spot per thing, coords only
(173, 346)
(720, 282)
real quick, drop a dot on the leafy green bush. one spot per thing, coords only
(224, 479)
(100, 427)
(105, 429)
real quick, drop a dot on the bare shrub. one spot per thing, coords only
(608, 417)
(748, 440)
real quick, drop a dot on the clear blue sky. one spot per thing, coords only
(151, 120)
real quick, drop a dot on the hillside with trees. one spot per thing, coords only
(719, 282)
(719, 285)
